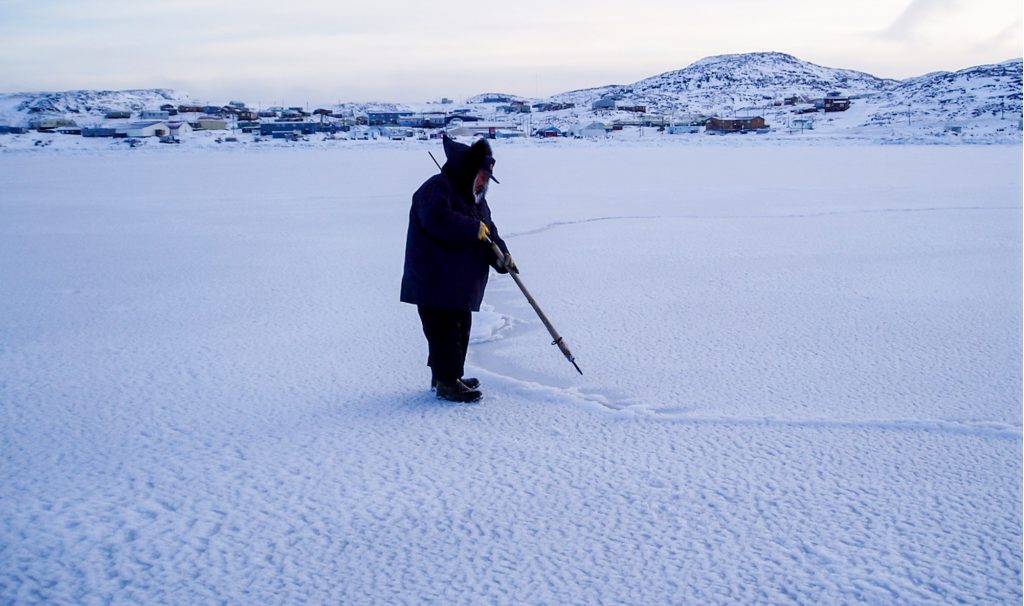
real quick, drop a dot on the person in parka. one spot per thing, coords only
(447, 261)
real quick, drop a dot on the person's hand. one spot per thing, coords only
(484, 231)
(509, 264)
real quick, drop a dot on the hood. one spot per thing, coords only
(463, 161)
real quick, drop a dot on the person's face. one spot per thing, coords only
(480, 183)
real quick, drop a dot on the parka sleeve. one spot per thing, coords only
(433, 209)
(497, 239)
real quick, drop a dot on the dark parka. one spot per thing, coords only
(446, 265)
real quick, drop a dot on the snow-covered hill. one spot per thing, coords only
(84, 106)
(731, 82)
(973, 94)
(981, 99)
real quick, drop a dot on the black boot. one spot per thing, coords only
(456, 391)
(470, 382)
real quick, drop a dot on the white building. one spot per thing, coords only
(684, 129)
(153, 128)
(594, 129)
(179, 129)
(483, 129)
(211, 123)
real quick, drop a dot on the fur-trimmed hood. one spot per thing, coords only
(463, 161)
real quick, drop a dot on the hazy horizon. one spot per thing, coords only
(397, 52)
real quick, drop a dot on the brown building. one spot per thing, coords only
(735, 125)
(836, 104)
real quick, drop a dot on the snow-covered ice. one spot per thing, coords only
(803, 380)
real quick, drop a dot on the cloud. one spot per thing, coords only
(917, 14)
(1006, 40)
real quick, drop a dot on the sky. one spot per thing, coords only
(328, 51)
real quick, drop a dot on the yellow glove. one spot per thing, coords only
(484, 231)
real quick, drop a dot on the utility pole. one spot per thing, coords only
(908, 114)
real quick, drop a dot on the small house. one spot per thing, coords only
(835, 104)
(179, 129)
(385, 118)
(149, 114)
(801, 124)
(118, 115)
(248, 126)
(683, 129)
(99, 132)
(594, 129)
(48, 125)
(273, 128)
(153, 128)
(211, 123)
(735, 125)
(550, 132)
(603, 103)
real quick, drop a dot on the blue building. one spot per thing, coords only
(99, 132)
(305, 128)
(385, 118)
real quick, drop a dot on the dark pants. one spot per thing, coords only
(447, 332)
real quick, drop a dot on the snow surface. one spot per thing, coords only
(803, 380)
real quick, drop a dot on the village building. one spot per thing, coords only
(50, 124)
(179, 129)
(150, 114)
(735, 125)
(683, 129)
(552, 106)
(799, 125)
(102, 131)
(384, 118)
(429, 120)
(594, 129)
(248, 126)
(836, 104)
(550, 132)
(210, 123)
(153, 128)
(516, 107)
(273, 128)
(490, 130)
(117, 114)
